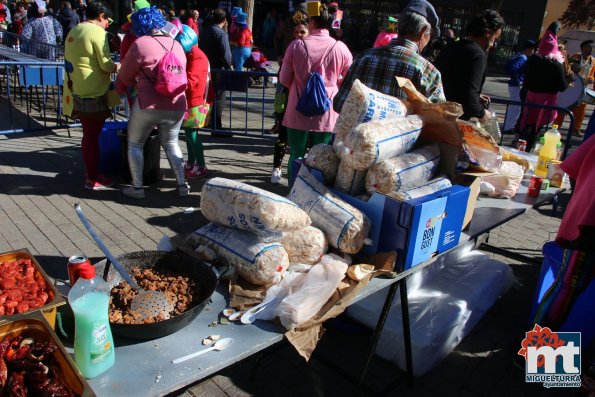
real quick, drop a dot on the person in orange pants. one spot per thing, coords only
(584, 65)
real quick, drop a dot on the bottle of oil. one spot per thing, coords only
(548, 151)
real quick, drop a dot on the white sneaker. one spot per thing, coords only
(276, 176)
(131, 191)
(184, 190)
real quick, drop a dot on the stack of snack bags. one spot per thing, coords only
(258, 232)
(375, 149)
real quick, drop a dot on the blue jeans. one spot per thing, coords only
(239, 56)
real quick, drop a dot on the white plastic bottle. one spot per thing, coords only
(93, 341)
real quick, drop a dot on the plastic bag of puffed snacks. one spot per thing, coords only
(323, 158)
(345, 226)
(370, 143)
(433, 186)
(305, 246)
(242, 206)
(364, 104)
(403, 172)
(350, 180)
(256, 261)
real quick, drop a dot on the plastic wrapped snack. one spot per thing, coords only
(521, 158)
(246, 207)
(305, 245)
(370, 143)
(350, 180)
(404, 172)
(507, 181)
(323, 158)
(364, 104)
(432, 186)
(309, 293)
(480, 151)
(345, 226)
(258, 262)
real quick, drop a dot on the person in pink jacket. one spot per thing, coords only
(150, 109)
(334, 58)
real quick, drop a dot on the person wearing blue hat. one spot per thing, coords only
(515, 68)
(241, 41)
(197, 70)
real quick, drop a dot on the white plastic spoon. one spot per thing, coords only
(219, 345)
(250, 316)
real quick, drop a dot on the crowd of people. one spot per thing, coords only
(166, 79)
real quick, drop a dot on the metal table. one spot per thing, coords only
(489, 213)
(144, 368)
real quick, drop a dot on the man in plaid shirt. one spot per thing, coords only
(377, 67)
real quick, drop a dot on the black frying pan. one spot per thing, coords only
(206, 276)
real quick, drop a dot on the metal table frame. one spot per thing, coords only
(144, 367)
(489, 214)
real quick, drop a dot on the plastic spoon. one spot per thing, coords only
(250, 316)
(219, 345)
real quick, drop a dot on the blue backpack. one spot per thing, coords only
(314, 100)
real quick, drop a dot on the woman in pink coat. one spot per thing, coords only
(151, 109)
(317, 52)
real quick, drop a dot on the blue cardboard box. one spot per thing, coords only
(452, 224)
(416, 229)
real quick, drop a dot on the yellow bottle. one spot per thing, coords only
(548, 151)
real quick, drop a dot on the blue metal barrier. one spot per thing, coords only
(248, 104)
(33, 90)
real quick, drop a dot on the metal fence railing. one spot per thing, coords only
(31, 91)
(566, 132)
(38, 49)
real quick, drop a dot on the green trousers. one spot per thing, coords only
(194, 146)
(298, 143)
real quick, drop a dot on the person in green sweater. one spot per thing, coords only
(89, 68)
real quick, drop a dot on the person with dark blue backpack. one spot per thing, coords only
(313, 69)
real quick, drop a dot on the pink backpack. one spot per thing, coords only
(171, 74)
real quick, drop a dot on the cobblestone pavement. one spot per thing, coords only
(41, 177)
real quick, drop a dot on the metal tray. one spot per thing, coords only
(55, 298)
(35, 326)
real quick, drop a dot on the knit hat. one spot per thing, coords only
(548, 47)
(235, 11)
(426, 10)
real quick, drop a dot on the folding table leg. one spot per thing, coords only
(376, 335)
(406, 330)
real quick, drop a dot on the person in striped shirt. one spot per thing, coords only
(377, 67)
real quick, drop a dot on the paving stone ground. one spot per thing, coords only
(41, 177)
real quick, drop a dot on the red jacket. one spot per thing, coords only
(197, 68)
(194, 25)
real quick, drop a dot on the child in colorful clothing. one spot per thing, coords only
(241, 41)
(197, 70)
(389, 33)
(281, 146)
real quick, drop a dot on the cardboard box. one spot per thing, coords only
(473, 181)
(455, 212)
(416, 229)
